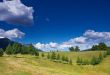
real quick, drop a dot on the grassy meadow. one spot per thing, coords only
(32, 65)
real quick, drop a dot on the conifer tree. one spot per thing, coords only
(1, 52)
(77, 49)
(24, 50)
(58, 57)
(36, 53)
(9, 50)
(71, 49)
(95, 61)
(53, 56)
(42, 55)
(63, 58)
(100, 57)
(104, 54)
(48, 56)
(66, 59)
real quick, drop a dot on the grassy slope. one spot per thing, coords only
(30, 65)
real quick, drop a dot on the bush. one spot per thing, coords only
(95, 61)
(1, 52)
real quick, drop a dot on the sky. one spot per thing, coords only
(56, 24)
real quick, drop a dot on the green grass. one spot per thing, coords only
(31, 65)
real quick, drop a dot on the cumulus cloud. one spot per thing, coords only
(89, 38)
(11, 34)
(15, 12)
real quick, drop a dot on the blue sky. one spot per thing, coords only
(61, 20)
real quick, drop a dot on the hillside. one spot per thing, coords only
(32, 65)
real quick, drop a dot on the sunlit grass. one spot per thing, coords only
(32, 65)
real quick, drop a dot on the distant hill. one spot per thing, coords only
(4, 42)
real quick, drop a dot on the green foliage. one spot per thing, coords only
(1, 52)
(24, 50)
(58, 57)
(9, 50)
(95, 47)
(103, 46)
(76, 49)
(36, 53)
(100, 46)
(95, 61)
(100, 57)
(17, 48)
(108, 52)
(71, 49)
(104, 54)
(63, 58)
(53, 56)
(79, 61)
(43, 55)
(48, 56)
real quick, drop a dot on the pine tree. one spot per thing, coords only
(9, 50)
(48, 56)
(24, 50)
(53, 56)
(77, 49)
(108, 52)
(36, 53)
(71, 49)
(1, 52)
(104, 54)
(16, 48)
(66, 59)
(102, 46)
(43, 55)
(63, 58)
(58, 57)
(100, 57)
(95, 61)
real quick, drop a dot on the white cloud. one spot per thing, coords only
(15, 12)
(11, 34)
(89, 38)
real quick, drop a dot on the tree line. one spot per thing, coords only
(95, 60)
(74, 49)
(17, 48)
(56, 57)
(100, 47)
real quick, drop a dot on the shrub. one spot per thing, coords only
(95, 61)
